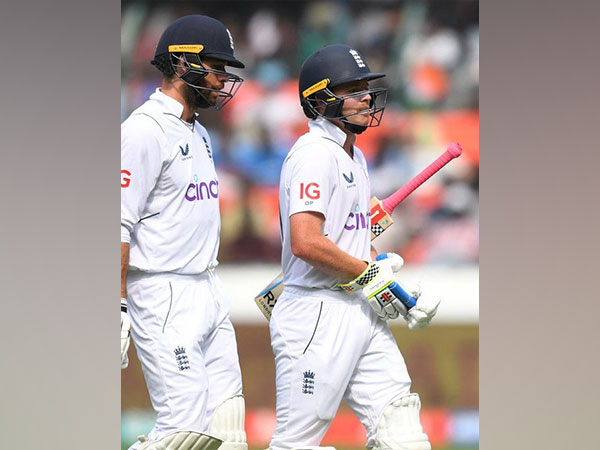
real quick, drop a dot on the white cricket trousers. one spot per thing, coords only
(328, 346)
(186, 344)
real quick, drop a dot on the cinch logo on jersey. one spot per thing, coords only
(125, 180)
(358, 221)
(311, 191)
(202, 191)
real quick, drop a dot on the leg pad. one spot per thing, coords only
(227, 423)
(182, 440)
(399, 426)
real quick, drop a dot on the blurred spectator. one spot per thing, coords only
(263, 34)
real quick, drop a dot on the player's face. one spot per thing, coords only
(355, 104)
(196, 98)
(213, 80)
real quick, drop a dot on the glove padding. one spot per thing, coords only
(125, 333)
(421, 314)
(378, 282)
(393, 259)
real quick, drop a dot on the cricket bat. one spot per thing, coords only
(381, 219)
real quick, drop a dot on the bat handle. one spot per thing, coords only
(454, 150)
(408, 300)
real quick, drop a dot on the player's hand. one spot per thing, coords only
(378, 282)
(421, 314)
(125, 333)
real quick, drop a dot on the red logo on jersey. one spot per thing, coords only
(313, 193)
(125, 180)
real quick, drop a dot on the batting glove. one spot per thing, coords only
(125, 333)
(378, 282)
(393, 259)
(421, 314)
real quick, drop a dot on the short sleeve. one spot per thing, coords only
(141, 164)
(311, 180)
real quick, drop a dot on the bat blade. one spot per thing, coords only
(267, 298)
(380, 218)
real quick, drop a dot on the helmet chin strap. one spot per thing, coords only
(352, 127)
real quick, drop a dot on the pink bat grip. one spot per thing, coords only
(453, 151)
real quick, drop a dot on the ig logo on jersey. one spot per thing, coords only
(311, 191)
(125, 178)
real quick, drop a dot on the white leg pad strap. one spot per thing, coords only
(182, 440)
(227, 423)
(399, 426)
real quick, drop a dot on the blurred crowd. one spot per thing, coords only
(430, 53)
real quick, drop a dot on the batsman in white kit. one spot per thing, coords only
(329, 330)
(170, 224)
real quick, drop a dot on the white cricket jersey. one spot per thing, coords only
(169, 190)
(318, 175)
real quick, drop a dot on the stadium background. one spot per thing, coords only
(430, 53)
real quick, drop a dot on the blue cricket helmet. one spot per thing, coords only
(332, 66)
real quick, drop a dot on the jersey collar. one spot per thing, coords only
(170, 105)
(327, 129)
